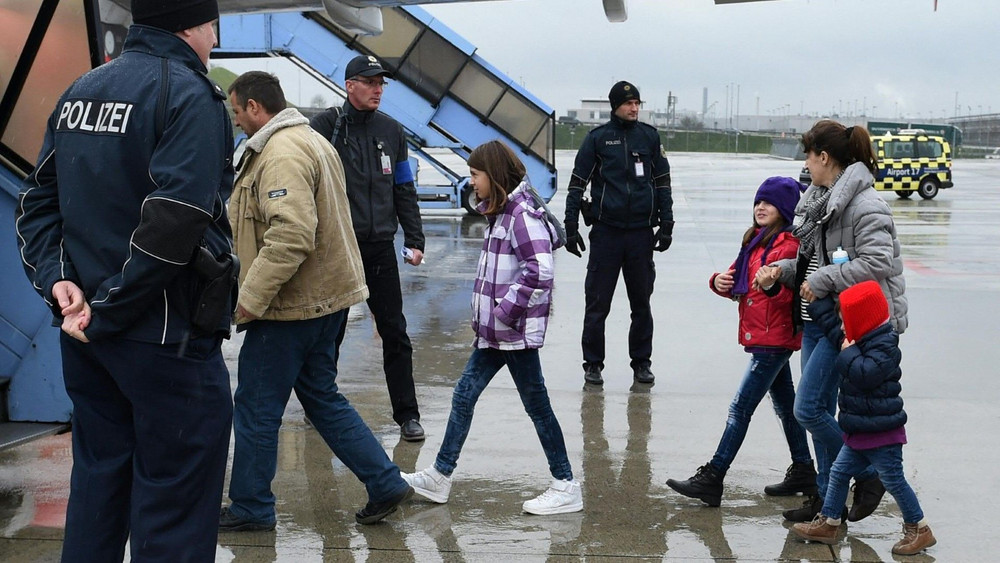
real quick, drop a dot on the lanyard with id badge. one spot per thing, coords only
(384, 161)
(640, 170)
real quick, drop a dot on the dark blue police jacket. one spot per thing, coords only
(133, 176)
(629, 176)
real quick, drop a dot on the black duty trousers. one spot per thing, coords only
(385, 301)
(614, 251)
(151, 428)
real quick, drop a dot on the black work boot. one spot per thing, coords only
(706, 485)
(799, 478)
(809, 509)
(867, 496)
(642, 374)
(592, 374)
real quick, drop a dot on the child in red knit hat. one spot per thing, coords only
(871, 413)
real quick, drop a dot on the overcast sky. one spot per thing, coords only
(817, 56)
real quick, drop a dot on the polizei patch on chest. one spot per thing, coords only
(95, 116)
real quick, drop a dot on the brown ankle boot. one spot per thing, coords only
(817, 530)
(915, 539)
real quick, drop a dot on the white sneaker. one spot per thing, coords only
(562, 497)
(430, 484)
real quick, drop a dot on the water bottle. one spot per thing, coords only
(840, 256)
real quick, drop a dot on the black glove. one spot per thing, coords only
(574, 241)
(663, 236)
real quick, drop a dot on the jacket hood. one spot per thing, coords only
(288, 117)
(855, 179)
(521, 196)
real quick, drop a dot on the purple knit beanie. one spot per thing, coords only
(781, 192)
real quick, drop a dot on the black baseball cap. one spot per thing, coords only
(365, 65)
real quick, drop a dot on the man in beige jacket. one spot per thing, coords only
(301, 272)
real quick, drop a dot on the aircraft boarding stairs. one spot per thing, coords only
(443, 93)
(31, 384)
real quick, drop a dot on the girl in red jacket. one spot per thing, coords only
(766, 332)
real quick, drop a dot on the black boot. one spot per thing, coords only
(867, 496)
(809, 509)
(592, 374)
(799, 478)
(706, 485)
(642, 374)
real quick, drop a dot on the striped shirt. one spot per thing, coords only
(803, 304)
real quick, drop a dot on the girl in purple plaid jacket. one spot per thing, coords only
(510, 304)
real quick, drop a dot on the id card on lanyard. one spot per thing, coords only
(384, 160)
(640, 170)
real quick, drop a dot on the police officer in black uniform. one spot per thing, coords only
(630, 197)
(124, 233)
(383, 197)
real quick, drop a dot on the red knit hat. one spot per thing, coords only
(863, 308)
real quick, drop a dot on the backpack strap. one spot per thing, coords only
(337, 122)
(554, 221)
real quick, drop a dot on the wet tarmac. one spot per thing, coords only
(624, 441)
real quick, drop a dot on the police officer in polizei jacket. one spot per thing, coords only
(630, 197)
(383, 198)
(124, 233)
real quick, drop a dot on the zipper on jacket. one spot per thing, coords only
(369, 169)
(628, 188)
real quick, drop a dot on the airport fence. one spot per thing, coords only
(570, 137)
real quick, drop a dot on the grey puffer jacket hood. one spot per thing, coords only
(858, 220)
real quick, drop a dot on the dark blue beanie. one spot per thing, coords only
(174, 15)
(781, 192)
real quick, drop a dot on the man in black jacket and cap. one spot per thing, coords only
(630, 187)
(383, 198)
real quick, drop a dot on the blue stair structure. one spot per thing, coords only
(444, 94)
(33, 400)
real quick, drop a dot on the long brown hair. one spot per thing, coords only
(845, 145)
(504, 170)
(769, 235)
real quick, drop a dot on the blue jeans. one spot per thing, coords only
(816, 402)
(526, 370)
(888, 461)
(767, 372)
(276, 357)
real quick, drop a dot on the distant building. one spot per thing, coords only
(984, 129)
(979, 130)
(598, 111)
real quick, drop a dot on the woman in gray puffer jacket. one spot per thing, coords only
(840, 209)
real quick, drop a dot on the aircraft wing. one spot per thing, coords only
(364, 10)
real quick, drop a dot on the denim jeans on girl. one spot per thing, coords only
(816, 402)
(888, 461)
(526, 370)
(767, 372)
